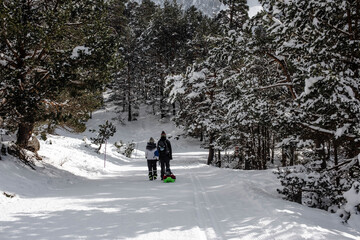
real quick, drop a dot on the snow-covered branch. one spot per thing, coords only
(328, 132)
(276, 85)
(286, 73)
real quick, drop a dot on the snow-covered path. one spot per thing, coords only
(72, 196)
(204, 203)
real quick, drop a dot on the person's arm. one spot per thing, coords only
(156, 154)
(170, 149)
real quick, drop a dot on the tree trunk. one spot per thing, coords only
(265, 148)
(211, 151)
(211, 155)
(320, 152)
(292, 153)
(129, 113)
(129, 97)
(273, 149)
(283, 156)
(231, 13)
(247, 155)
(336, 161)
(162, 97)
(24, 134)
(259, 150)
(219, 158)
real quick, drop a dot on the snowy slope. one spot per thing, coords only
(73, 196)
(211, 7)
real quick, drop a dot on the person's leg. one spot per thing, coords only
(154, 169)
(150, 170)
(167, 163)
(162, 172)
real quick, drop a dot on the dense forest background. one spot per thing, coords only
(282, 85)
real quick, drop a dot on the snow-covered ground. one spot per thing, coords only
(73, 196)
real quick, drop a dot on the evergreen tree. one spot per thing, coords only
(315, 43)
(105, 131)
(46, 47)
(324, 35)
(235, 15)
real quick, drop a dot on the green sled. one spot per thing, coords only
(168, 179)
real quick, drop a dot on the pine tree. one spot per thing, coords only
(46, 47)
(315, 43)
(323, 34)
(235, 15)
(105, 131)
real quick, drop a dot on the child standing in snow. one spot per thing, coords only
(151, 155)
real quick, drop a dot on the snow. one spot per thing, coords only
(309, 83)
(73, 196)
(254, 10)
(75, 53)
(350, 92)
(340, 131)
(353, 198)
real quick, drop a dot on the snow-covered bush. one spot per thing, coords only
(335, 189)
(293, 181)
(125, 149)
(352, 206)
(119, 146)
(129, 149)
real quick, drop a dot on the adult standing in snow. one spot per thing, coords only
(151, 155)
(165, 154)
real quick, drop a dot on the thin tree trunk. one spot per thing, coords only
(273, 149)
(219, 160)
(211, 151)
(292, 154)
(129, 113)
(174, 109)
(283, 156)
(259, 152)
(336, 161)
(320, 152)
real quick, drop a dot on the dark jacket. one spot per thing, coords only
(167, 154)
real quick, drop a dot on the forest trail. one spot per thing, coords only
(72, 196)
(204, 203)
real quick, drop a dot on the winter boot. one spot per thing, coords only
(151, 176)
